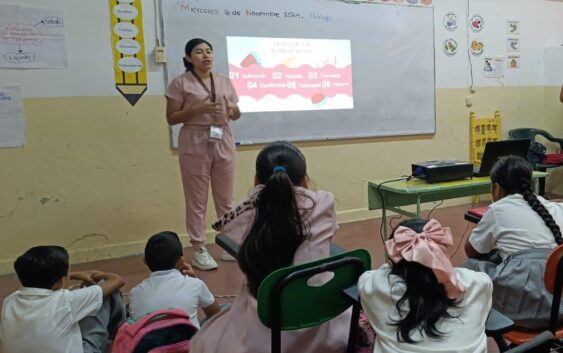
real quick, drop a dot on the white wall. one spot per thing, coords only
(90, 72)
(541, 26)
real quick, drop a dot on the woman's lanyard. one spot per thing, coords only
(215, 132)
(212, 93)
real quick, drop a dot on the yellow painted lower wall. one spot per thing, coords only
(98, 176)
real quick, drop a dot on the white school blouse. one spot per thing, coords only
(380, 291)
(511, 225)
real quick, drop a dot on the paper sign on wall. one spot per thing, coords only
(513, 27)
(513, 62)
(513, 44)
(128, 46)
(494, 67)
(12, 125)
(32, 37)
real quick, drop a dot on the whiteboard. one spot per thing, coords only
(392, 62)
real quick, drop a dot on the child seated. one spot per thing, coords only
(419, 302)
(280, 223)
(512, 242)
(169, 285)
(43, 317)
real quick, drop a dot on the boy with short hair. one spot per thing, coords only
(43, 317)
(171, 283)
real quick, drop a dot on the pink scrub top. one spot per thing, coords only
(187, 90)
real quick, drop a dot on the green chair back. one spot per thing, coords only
(531, 133)
(304, 305)
(287, 301)
(523, 133)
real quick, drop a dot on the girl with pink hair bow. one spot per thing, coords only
(419, 302)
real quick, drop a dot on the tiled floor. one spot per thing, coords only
(225, 281)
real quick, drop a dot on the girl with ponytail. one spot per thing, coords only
(280, 223)
(512, 242)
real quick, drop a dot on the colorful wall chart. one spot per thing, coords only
(128, 47)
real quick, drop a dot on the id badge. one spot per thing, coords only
(215, 133)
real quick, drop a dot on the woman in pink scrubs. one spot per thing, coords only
(204, 102)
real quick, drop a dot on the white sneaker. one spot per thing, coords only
(203, 261)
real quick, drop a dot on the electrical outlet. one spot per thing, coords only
(160, 53)
(469, 101)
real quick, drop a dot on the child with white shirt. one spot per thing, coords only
(512, 242)
(171, 283)
(43, 317)
(517, 219)
(419, 302)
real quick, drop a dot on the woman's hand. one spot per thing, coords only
(176, 115)
(233, 112)
(207, 106)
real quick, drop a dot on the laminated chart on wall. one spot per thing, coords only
(12, 124)
(32, 37)
(128, 48)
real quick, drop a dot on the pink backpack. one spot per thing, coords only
(163, 331)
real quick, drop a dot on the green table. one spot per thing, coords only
(414, 192)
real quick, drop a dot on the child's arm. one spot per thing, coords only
(84, 276)
(211, 309)
(112, 282)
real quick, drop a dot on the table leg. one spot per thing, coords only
(384, 220)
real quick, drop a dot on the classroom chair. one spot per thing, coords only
(540, 344)
(553, 279)
(286, 300)
(531, 133)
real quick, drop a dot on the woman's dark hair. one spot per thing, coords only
(190, 45)
(42, 266)
(514, 175)
(277, 230)
(163, 250)
(426, 298)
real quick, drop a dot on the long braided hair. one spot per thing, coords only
(514, 175)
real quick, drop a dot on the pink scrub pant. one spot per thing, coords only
(202, 161)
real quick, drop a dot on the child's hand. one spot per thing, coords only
(187, 270)
(87, 278)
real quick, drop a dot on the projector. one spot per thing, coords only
(442, 170)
